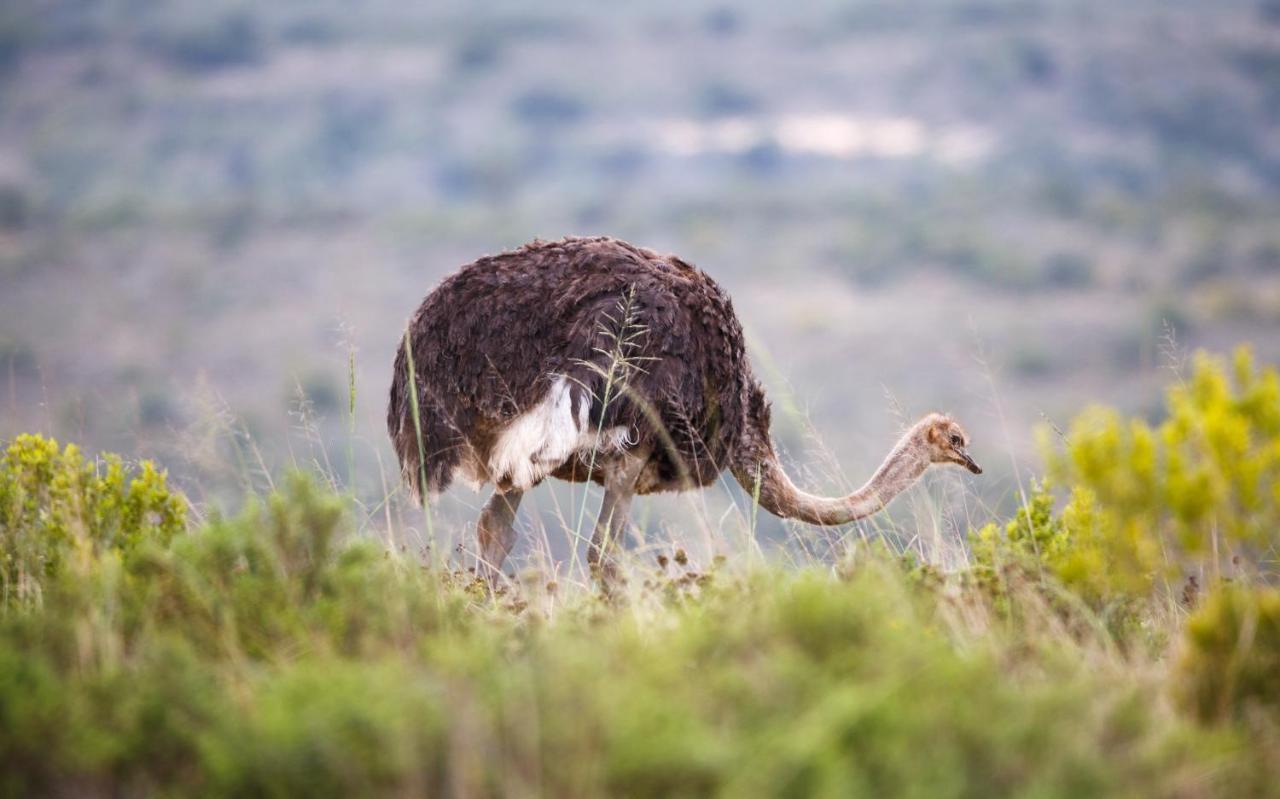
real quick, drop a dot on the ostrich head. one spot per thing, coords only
(945, 441)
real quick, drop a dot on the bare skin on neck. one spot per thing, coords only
(935, 439)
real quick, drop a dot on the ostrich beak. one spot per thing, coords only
(969, 463)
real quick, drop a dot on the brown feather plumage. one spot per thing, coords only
(488, 341)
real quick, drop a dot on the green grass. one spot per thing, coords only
(261, 656)
(280, 653)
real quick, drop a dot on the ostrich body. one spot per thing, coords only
(593, 359)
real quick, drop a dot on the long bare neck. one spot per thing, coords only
(764, 478)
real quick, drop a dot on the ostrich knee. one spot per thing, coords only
(611, 525)
(496, 533)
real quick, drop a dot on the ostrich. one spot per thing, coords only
(593, 359)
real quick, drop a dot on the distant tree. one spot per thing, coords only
(1068, 270)
(477, 54)
(1035, 63)
(722, 21)
(15, 209)
(1269, 11)
(14, 38)
(544, 106)
(228, 41)
(720, 98)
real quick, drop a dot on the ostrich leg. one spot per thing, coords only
(611, 524)
(496, 533)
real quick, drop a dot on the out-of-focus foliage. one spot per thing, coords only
(266, 654)
(1231, 655)
(55, 506)
(232, 183)
(1197, 494)
(262, 655)
(1205, 482)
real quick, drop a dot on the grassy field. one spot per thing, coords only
(1121, 639)
(216, 216)
(203, 208)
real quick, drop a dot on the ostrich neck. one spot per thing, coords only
(766, 479)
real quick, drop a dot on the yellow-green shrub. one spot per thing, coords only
(265, 655)
(53, 502)
(1230, 661)
(1145, 501)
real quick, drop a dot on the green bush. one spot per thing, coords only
(1198, 493)
(54, 506)
(1230, 663)
(272, 653)
(263, 655)
(1201, 487)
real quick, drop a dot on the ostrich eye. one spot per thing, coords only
(956, 440)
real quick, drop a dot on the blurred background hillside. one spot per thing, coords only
(1000, 208)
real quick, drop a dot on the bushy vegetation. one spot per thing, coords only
(1039, 163)
(273, 653)
(1188, 502)
(211, 170)
(55, 506)
(1231, 655)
